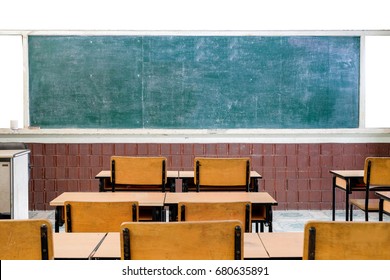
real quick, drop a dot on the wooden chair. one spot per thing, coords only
(87, 216)
(26, 240)
(206, 240)
(346, 241)
(376, 176)
(223, 174)
(138, 173)
(211, 211)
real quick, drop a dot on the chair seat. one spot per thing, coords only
(373, 204)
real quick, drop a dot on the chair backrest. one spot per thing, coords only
(26, 240)
(139, 173)
(93, 216)
(377, 171)
(222, 173)
(346, 240)
(211, 211)
(207, 240)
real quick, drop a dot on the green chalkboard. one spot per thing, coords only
(196, 82)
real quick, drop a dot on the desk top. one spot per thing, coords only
(143, 198)
(253, 197)
(384, 195)
(348, 173)
(107, 174)
(76, 245)
(110, 248)
(288, 245)
(190, 174)
(253, 248)
(171, 174)
(279, 245)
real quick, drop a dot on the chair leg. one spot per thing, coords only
(351, 213)
(256, 226)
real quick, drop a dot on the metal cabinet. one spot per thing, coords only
(14, 178)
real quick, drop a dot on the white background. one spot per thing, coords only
(275, 15)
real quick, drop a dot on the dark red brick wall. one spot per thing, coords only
(296, 175)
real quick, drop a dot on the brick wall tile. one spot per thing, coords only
(280, 149)
(257, 149)
(176, 149)
(108, 149)
(96, 161)
(188, 149)
(84, 161)
(130, 149)
(303, 149)
(222, 150)
(280, 161)
(61, 173)
(315, 196)
(291, 149)
(72, 172)
(165, 149)
(256, 162)
(96, 149)
(61, 149)
(245, 149)
(73, 149)
(61, 160)
(37, 161)
(142, 149)
(187, 162)
(73, 160)
(73, 186)
(154, 150)
(268, 161)
(50, 149)
(175, 162)
(268, 149)
(119, 150)
(211, 150)
(37, 149)
(62, 186)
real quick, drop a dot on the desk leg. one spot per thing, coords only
(381, 209)
(334, 198)
(58, 218)
(255, 184)
(184, 185)
(101, 184)
(347, 191)
(269, 218)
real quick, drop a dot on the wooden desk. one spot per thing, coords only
(258, 199)
(154, 200)
(253, 247)
(348, 181)
(283, 245)
(110, 247)
(104, 177)
(383, 196)
(188, 180)
(76, 245)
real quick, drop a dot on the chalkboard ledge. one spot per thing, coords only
(356, 135)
